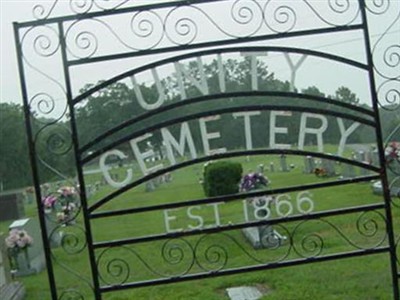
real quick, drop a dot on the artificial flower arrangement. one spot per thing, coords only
(63, 203)
(253, 181)
(49, 202)
(392, 152)
(17, 241)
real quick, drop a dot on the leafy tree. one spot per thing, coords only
(15, 170)
(344, 94)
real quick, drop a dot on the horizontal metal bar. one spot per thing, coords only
(110, 12)
(228, 155)
(258, 107)
(300, 33)
(232, 198)
(288, 263)
(220, 51)
(215, 97)
(310, 216)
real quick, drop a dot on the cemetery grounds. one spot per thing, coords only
(366, 277)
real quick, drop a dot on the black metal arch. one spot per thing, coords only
(215, 97)
(259, 107)
(231, 154)
(314, 53)
(380, 214)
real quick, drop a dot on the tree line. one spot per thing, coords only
(118, 103)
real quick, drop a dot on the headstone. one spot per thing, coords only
(260, 169)
(363, 171)
(34, 260)
(30, 195)
(328, 166)
(167, 177)
(271, 167)
(284, 167)
(360, 155)
(150, 186)
(375, 158)
(244, 293)
(309, 165)
(348, 171)
(12, 205)
(9, 290)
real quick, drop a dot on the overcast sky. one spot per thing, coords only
(349, 45)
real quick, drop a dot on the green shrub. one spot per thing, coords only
(222, 178)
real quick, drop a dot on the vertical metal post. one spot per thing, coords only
(34, 166)
(82, 190)
(381, 152)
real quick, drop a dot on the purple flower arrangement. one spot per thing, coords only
(49, 201)
(253, 181)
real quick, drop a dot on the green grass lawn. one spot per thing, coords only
(366, 277)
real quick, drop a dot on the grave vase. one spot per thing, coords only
(19, 260)
(23, 261)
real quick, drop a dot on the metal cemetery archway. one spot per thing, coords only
(170, 103)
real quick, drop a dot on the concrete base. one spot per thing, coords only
(35, 265)
(263, 237)
(12, 291)
(377, 189)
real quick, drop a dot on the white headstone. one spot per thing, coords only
(35, 254)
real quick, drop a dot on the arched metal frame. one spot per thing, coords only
(160, 22)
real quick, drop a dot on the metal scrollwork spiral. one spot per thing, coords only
(179, 29)
(58, 139)
(339, 6)
(378, 7)
(45, 44)
(338, 12)
(42, 103)
(118, 269)
(270, 239)
(211, 258)
(389, 94)
(174, 253)
(395, 199)
(392, 56)
(73, 240)
(81, 6)
(40, 12)
(311, 245)
(113, 270)
(248, 15)
(370, 225)
(148, 26)
(281, 18)
(242, 14)
(386, 53)
(86, 42)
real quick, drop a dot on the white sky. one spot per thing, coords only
(349, 45)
